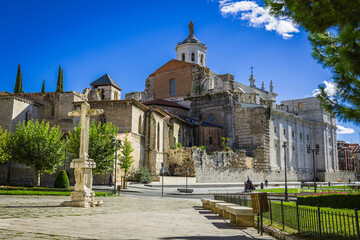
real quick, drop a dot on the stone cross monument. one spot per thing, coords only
(83, 196)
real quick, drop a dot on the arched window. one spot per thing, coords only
(172, 89)
(27, 117)
(193, 57)
(202, 59)
(52, 110)
(183, 57)
(158, 136)
(140, 125)
(103, 119)
(102, 94)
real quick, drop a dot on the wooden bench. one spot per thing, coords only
(242, 216)
(212, 205)
(221, 208)
(205, 203)
(184, 190)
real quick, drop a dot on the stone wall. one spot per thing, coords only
(231, 167)
(6, 104)
(251, 130)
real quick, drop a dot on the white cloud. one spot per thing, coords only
(344, 130)
(330, 89)
(258, 17)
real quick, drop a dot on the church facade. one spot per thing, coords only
(246, 114)
(185, 102)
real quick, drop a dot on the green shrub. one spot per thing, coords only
(178, 145)
(332, 200)
(62, 180)
(142, 175)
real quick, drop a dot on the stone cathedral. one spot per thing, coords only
(185, 102)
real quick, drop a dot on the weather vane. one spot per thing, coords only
(252, 69)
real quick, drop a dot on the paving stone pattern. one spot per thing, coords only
(124, 217)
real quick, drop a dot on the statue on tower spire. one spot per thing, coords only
(191, 28)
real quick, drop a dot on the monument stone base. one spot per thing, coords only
(82, 199)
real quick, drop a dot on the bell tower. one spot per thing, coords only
(191, 49)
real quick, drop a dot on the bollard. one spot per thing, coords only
(262, 185)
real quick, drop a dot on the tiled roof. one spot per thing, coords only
(105, 80)
(171, 65)
(4, 93)
(162, 102)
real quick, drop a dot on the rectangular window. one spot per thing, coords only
(300, 135)
(307, 137)
(284, 131)
(210, 140)
(172, 87)
(300, 105)
(293, 134)
(274, 129)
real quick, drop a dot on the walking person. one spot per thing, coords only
(110, 180)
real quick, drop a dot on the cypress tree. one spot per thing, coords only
(43, 87)
(60, 81)
(18, 84)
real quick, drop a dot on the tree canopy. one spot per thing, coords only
(4, 144)
(334, 32)
(126, 159)
(37, 145)
(101, 148)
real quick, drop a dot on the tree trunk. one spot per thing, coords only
(9, 172)
(36, 178)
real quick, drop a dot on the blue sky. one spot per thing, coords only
(131, 39)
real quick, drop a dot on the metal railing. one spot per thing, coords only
(312, 222)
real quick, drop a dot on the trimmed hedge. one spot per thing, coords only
(142, 175)
(332, 200)
(62, 180)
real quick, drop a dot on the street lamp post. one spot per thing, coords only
(314, 151)
(116, 144)
(286, 190)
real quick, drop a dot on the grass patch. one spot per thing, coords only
(334, 222)
(49, 193)
(305, 189)
(279, 190)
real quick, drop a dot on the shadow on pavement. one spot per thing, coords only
(225, 225)
(237, 237)
(210, 217)
(55, 206)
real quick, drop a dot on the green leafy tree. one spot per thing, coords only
(126, 160)
(5, 137)
(101, 148)
(60, 81)
(334, 32)
(43, 87)
(18, 84)
(224, 142)
(37, 145)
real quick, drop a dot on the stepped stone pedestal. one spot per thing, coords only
(83, 196)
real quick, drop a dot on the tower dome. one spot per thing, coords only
(191, 49)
